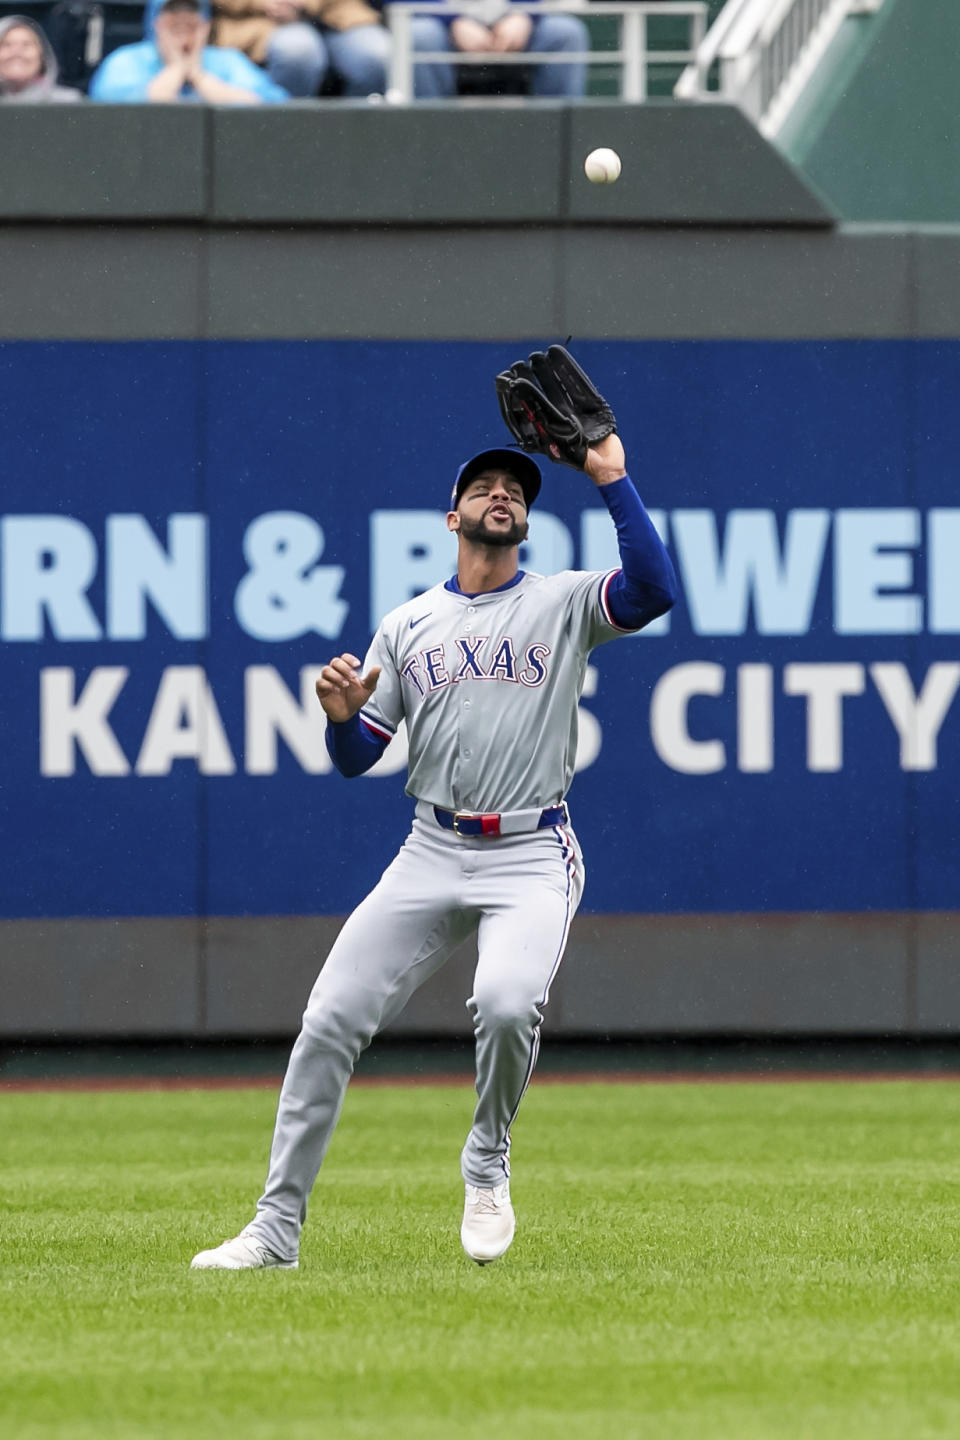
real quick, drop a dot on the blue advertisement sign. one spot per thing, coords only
(189, 531)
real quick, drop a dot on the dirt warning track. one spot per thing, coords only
(94, 1083)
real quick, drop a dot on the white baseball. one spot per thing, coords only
(602, 167)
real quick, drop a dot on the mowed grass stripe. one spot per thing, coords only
(729, 1260)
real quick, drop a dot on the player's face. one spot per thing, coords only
(492, 510)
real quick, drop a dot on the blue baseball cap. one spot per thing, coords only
(520, 466)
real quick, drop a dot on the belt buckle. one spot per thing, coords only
(488, 824)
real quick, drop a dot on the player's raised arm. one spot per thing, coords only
(646, 584)
(550, 405)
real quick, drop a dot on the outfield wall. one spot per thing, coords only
(228, 443)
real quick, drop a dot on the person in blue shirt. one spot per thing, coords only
(174, 62)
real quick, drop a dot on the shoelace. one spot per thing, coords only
(486, 1202)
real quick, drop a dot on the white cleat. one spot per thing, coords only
(488, 1222)
(243, 1253)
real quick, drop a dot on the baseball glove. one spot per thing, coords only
(547, 401)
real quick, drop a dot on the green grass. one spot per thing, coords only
(693, 1262)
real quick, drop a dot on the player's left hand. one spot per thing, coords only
(549, 404)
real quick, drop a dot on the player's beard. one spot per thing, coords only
(477, 533)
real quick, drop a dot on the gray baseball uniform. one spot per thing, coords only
(488, 686)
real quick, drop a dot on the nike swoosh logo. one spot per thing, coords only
(414, 623)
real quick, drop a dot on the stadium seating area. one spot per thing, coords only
(82, 32)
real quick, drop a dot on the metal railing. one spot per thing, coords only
(764, 52)
(633, 53)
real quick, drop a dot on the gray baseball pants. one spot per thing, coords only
(519, 892)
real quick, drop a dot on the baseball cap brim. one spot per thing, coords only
(520, 466)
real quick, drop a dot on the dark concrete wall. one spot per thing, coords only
(459, 282)
(350, 163)
(622, 975)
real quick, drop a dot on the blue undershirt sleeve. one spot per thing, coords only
(354, 747)
(646, 586)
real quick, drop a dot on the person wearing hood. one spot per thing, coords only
(28, 66)
(175, 62)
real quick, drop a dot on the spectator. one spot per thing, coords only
(279, 34)
(493, 26)
(174, 62)
(28, 66)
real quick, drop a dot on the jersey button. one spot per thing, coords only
(471, 609)
(466, 704)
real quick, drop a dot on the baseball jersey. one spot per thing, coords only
(488, 686)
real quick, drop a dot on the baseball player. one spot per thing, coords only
(486, 670)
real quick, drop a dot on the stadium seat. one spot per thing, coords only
(493, 79)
